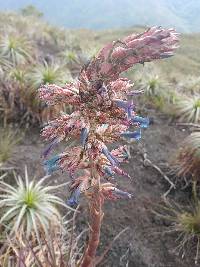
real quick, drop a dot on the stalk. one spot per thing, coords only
(96, 214)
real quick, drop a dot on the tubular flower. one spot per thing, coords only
(102, 112)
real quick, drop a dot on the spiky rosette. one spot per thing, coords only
(187, 162)
(103, 112)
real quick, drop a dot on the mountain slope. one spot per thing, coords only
(103, 14)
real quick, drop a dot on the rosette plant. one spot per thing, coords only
(102, 114)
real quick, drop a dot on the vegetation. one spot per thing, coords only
(184, 223)
(187, 163)
(8, 140)
(15, 49)
(33, 232)
(31, 10)
(188, 110)
(28, 208)
(24, 67)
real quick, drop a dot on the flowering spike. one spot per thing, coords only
(116, 57)
(102, 112)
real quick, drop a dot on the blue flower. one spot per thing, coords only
(108, 171)
(166, 55)
(109, 156)
(135, 135)
(48, 149)
(84, 136)
(74, 198)
(122, 194)
(144, 122)
(51, 165)
(126, 105)
(102, 89)
(125, 154)
(129, 111)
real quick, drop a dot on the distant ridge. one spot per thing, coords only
(104, 14)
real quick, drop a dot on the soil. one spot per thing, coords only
(144, 244)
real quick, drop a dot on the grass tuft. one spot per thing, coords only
(48, 73)
(185, 224)
(188, 109)
(187, 162)
(8, 140)
(16, 49)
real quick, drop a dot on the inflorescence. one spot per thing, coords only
(103, 112)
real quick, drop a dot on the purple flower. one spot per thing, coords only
(166, 55)
(144, 122)
(48, 149)
(135, 135)
(102, 89)
(133, 93)
(109, 156)
(84, 136)
(126, 105)
(108, 171)
(122, 194)
(74, 198)
(120, 172)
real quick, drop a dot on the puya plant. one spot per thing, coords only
(187, 161)
(188, 109)
(103, 113)
(28, 208)
(183, 223)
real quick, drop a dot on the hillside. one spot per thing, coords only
(115, 14)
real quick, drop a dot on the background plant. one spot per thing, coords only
(28, 208)
(30, 52)
(188, 109)
(184, 224)
(187, 163)
(61, 247)
(9, 138)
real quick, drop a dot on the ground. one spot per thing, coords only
(144, 244)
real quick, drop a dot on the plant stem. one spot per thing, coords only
(96, 214)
